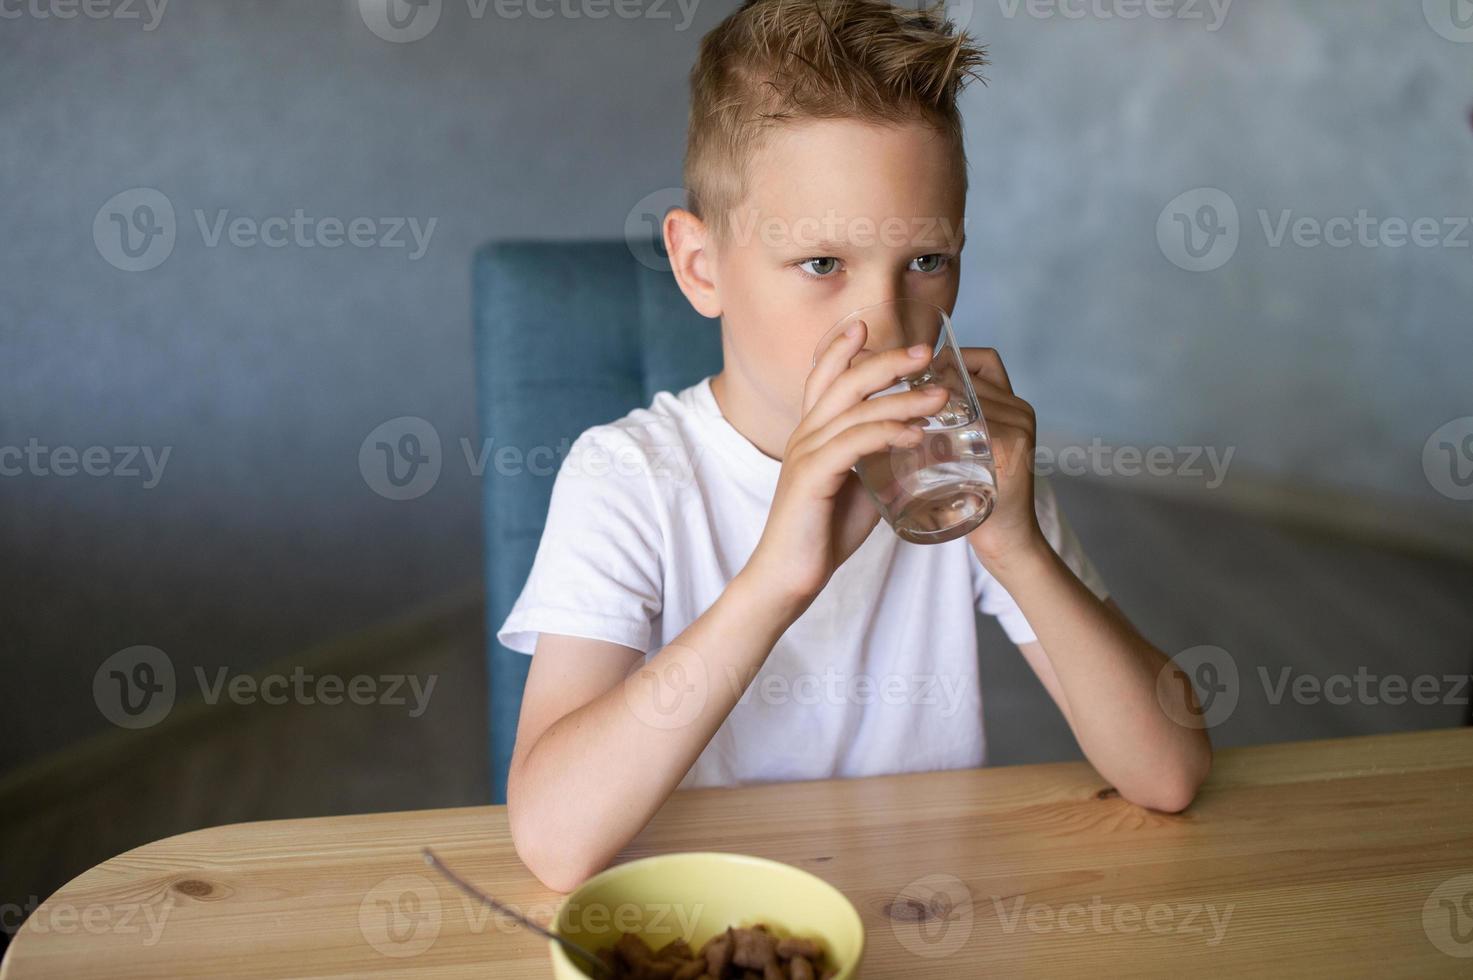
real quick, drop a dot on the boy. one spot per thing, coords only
(714, 599)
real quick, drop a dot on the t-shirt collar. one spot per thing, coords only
(750, 461)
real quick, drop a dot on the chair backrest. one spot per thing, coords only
(567, 335)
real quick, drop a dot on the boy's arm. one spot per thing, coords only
(1103, 675)
(604, 739)
(1101, 672)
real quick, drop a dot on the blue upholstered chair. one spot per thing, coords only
(567, 335)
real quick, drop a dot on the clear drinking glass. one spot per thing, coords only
(945, 486)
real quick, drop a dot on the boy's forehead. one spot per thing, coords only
(860, 174)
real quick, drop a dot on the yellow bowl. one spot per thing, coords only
(695, 896)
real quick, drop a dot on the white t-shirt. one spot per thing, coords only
(650, 517)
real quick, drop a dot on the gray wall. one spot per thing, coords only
(264, 369)
(1326, 366)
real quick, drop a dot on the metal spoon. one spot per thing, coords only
(595, 966)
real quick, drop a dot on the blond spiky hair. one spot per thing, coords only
(778, 61)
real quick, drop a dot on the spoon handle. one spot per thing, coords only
(598, 966)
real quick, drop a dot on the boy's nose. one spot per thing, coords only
(868, 296)
(882, 290)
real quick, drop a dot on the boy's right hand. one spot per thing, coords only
(820, 511)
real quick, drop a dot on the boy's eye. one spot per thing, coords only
(819, 268)
(930, 263)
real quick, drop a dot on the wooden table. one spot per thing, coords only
(1341, 858)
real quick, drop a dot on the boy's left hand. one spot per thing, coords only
(1012, 528)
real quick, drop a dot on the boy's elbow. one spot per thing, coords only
(1172, 791)
(553, 861)
(560, 876)
(1167, 796)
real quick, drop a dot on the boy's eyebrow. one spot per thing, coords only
(818, 246)
(828, 246)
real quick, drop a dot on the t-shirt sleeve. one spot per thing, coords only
(994, 600)
(597, 571)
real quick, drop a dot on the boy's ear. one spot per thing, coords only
(692, 259)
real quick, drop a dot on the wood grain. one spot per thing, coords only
(1311, 859)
